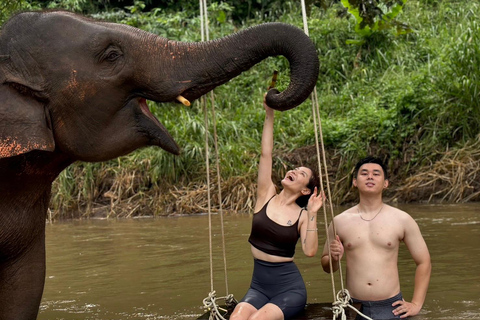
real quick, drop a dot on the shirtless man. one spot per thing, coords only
(370, 234)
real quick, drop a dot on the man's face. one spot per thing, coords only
(370, 178)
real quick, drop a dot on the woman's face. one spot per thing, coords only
(298, 178)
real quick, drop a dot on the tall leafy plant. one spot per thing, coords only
(9, 7)
(375, 15)
(459, 81)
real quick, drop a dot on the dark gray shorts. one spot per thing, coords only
(278, 283)
(378, 310)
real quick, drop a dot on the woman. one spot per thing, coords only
(277, 290)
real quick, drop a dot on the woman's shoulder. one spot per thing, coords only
(262, 201)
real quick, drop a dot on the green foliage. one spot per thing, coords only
(374, 16)
(79, 6)
(181, 25)
(9, 7)
(459, 83)
(410, 97)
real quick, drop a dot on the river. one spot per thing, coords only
(159, 268)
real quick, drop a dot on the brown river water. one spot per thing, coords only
(160, 268)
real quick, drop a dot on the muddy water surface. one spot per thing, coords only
(159, 268)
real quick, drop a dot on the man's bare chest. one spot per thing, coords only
(371, 236)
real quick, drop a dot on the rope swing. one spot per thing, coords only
(210, 302)
(341, 300)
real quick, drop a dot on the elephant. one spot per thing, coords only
(73, 88)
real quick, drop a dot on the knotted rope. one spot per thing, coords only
(342, 302)
(342, 299)
(217, 312)
(210, 302)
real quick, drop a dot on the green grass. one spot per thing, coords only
(408, 98)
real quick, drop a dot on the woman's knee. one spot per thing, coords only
(268, 312)
(243, 311)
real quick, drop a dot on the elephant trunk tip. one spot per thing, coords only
(285, 100)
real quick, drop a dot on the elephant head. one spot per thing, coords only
(72, 88)
(77, 78)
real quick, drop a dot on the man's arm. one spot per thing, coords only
(419, 251)
(336, 250)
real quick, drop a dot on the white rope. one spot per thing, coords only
(304, 16)
(342, 298)
(342, 302)
(318, 132)
(207, 164)
(210, 302)
(217, 312)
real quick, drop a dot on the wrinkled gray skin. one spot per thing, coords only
(72, 89)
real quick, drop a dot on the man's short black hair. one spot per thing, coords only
(371, 159)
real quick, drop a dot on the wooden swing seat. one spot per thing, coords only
(313, 311)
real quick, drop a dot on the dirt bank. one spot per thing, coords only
(452, 178)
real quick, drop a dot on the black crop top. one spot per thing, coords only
(271, 237)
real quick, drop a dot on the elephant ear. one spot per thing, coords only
(24, 121)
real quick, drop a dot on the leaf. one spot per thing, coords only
(371, 18)
(355, 42)
(221, 16)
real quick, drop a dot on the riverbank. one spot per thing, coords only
(410, 98)
(452, 177)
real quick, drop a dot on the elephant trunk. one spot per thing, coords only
(209, 64)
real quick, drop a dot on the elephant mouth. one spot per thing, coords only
(146, 111)
(159, 135)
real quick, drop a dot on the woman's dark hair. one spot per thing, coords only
(314, 181)
(371, 159)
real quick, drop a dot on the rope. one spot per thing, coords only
(342, 298)
(207, 163)
(341, 303)
(318, 131)
(220, 209)
(210, 302)
(217, 312)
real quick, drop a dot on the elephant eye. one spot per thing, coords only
(112, 54)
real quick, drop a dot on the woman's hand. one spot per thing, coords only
(315, 201)
(265, 105)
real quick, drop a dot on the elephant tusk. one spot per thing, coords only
(184, 101)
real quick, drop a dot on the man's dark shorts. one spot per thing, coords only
(378, 310)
